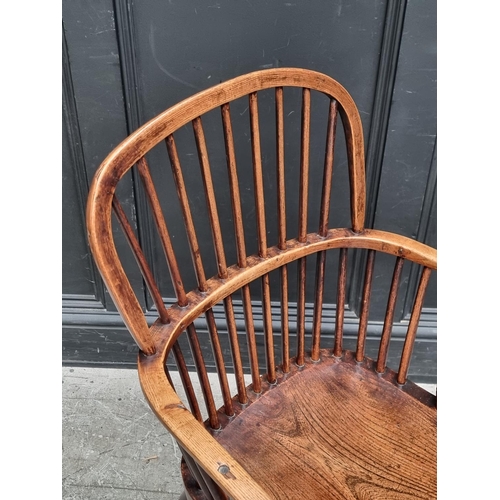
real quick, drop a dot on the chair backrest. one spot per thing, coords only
(238, 276)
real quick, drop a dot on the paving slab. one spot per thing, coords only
(113, 445)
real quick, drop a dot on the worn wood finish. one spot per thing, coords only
(163, 399)
(369, 418)
(360, 442)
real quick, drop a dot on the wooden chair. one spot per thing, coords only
(319, 420)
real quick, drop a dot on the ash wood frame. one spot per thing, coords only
(157, 341)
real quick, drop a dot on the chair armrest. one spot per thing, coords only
(192, 435)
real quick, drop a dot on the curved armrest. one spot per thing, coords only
(192, 435)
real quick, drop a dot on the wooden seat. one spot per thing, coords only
(320, 418)
(340, 430)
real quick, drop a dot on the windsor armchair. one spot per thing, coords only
(317, 420)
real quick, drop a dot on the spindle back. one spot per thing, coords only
(133, 150)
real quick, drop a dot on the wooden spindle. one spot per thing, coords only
(318, 304)
(210, 197)
(412, 327)
(268, 329)
(285, 331)
(280, 175)
(252, 345)
(154, 202)
(280, 168)
(389, 317)
(341, 294)
(215, 489)
(141, 261)
(303, 198)
(219, 362)
(235, 350)
(328, 169)
(186, 381)
(234, 185)
(257, 174)
(217, 235)
(186, 212)
(304, 164)
(365, 306)
(201, 371)
(261, 230)
(196, 472)
(301, 311)
(323, 227)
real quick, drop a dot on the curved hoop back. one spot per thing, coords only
(131, 151)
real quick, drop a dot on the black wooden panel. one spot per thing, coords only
(407, 181)
(184, 47)
(94, 70)
(76, 274)
(412, 126)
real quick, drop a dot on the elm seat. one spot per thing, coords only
(321, 418)
(356, 435)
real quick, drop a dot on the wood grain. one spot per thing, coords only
(367, 438)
